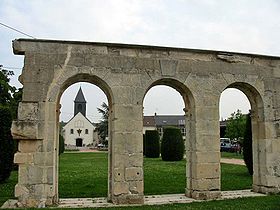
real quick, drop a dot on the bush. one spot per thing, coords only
(6, 144)
(152, 147)
(61, 144)
(247, 145)
(144, 152)
(172, 145)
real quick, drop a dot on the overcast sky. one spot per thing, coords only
(251, 26)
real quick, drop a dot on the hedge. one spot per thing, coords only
(172, 145)
(152, 148)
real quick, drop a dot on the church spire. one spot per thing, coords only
(80, 103)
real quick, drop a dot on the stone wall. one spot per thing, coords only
(125, 73)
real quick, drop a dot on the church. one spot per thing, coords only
(79, 131)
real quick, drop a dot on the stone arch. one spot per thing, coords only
(258, 125)
(129, 71)
(189, 109)
(57, 92)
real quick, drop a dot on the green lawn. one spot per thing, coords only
(85, 175)
(231, 155)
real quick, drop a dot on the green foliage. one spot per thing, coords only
(102, 126)
(172, 145)
(247, 145)
(9, 95)
(236, 126)
(6, 144)
(61, 144)
(144, 147)
(152, 148)
(6, 90)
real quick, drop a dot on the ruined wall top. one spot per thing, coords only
(20, 46)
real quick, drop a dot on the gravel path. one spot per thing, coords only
(233, 161)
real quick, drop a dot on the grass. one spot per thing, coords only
(7, 188)
(85, 175)
(159, 174)
(231, 155)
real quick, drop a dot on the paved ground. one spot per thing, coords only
(152, 200)
(233, 161)
(149, 200)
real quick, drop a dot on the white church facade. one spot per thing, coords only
(79, 131)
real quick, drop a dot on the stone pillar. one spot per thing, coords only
(127, 154)
(203, 150)
(266, 156)
(35, 185)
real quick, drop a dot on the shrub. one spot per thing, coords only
(172, 145)
(152, 147)
(247, 145)
(144, 152)
(6, 144)
(61, 144)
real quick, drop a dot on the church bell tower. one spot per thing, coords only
(80, 103)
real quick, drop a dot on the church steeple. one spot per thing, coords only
(80, 103)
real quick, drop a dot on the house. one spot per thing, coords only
(158, 122)
(79, 131)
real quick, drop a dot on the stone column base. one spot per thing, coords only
(128, 199)
(266, 189)
(203, 195)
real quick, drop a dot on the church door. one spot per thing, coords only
(79, 142)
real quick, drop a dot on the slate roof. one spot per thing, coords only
(166, 120)
(80, 98)
(162, 120)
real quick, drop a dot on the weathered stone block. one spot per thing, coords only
(28, 111)
(27, 130)
(44, 158)
(21, 190)
(205, 157)
(206, 195)
(26, 146)
(206, 184)
(136, 187)
(206, 170)
(118, 175)
(133, 174)
(23, 158)
(168, 67)
(128, 142)
(120, 188)
(35, 174)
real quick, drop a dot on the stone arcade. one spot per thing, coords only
(125, 73)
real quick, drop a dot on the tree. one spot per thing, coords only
(236, 126)
(6, 90)
(144, 147)
(102, 126)
(152, 147)
(247, 145)
(9, 95)
(9, 100)
(61, 144)
(172, 145)
(6, 144)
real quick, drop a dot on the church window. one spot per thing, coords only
(86, 131)
(79, 124)
(71, 131)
